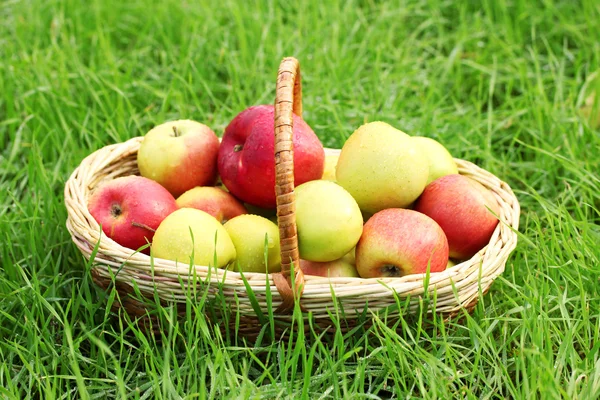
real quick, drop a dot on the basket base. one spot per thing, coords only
(144, 312)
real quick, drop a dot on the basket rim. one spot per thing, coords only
(113, 252)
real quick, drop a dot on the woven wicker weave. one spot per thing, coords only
(456, 288)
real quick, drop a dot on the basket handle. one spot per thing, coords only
(288, 100)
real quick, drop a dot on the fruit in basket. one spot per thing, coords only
(249, 233)
(328, 220)
(460, 206)
(179, 155)
(193, 235)
(397, 242)
(440, 160)
(130, 208)
(341, 268)
(268, 213)
(382, 167)
(330, 164)
(213, 200)
(247, 157)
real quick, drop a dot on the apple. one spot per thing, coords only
(217, 202)
(332, 269)
(179, 155)
(249, 233)
(130, 208)
(268, 213)
(188, 235)
(460, 206)
(397, 242)
(330, 164)
(382, 167)
(440, 160)
(247, 156)
(328, 221)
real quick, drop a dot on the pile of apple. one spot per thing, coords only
(389, 205)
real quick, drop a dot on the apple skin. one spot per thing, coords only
(330, 164)
(173, 240)
(458, 205)
(179, 155)
(441, 162)
(397, 242)
(130, 209)
(213, 200)
(328, 221)
(382, 167)
(340, 268)
(247, 157)
(248, 235)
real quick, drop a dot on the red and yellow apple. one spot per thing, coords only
(190, 235)
(213, 200)
(247, 160)
(341, 268)
(397, 242)
(382, 167)
(130, 209)
(250, 234)
(179, 155)
(328, 220)
(440, 160)
(460, 206)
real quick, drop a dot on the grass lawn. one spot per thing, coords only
(501, 83)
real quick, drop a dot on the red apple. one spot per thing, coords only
(130, 209)
(179, 155)
(213, 200)
(398, 242)
(458, 204)
(247, 160)
(342, 267)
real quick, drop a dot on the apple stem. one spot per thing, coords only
(175, 131)
(144, 226)
(238, 147)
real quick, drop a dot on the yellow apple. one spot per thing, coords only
(248, 233)
(190, 232)
(330, 164)
(382, 167)
(441, 162)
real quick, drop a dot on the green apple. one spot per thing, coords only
(248, 233)
(179, 155)
(263, 212)
(441, 162)
(350, 256)
(382, 167)
(328, 219)
(190, 232)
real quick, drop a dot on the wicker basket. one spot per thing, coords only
(456, 288)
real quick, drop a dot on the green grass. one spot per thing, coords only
(499, 82)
